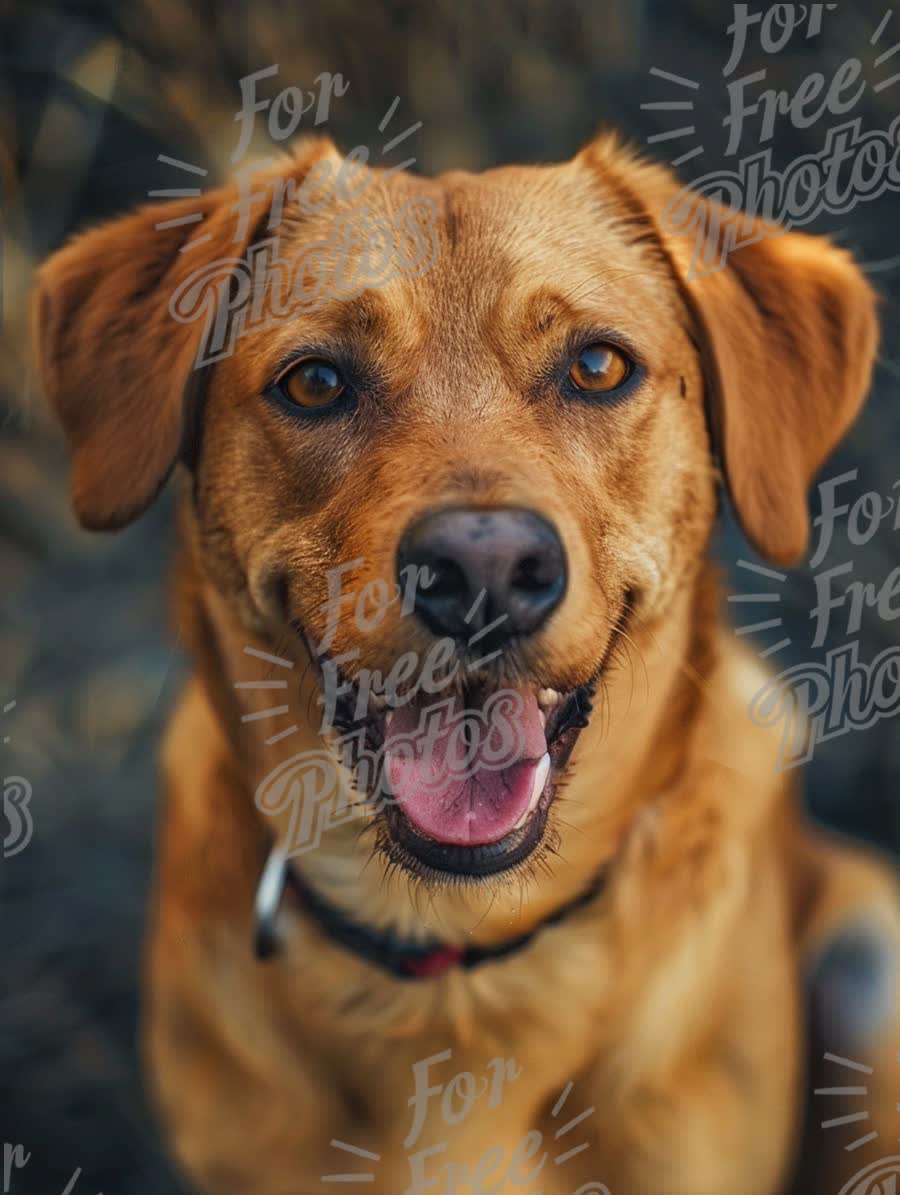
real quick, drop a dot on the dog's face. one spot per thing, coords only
(517, 440)
(467, 489)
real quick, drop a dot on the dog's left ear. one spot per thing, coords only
(788, 333)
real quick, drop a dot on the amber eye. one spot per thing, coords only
(599, 368)
(315, 382)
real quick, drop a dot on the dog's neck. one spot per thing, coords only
(617, 770)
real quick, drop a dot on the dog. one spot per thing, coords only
(454, 503)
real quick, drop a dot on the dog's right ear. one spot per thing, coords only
(114, 363)
(117, 366)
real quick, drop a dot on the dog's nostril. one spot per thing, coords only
(446, 579)
(530, 575)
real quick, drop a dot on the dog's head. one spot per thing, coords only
(460, 441)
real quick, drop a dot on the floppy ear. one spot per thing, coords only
(788, 333)
(116, 364)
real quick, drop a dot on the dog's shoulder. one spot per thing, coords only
(737, 737)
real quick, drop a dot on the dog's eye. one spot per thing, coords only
(599, 368)
(315, 382)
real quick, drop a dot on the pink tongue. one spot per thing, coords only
(466, 777)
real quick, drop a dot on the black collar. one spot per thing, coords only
(402, 958)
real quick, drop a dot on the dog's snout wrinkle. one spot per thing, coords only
(502, 570)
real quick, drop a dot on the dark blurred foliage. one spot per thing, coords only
(90, 94)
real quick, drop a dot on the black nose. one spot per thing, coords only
(503, 566)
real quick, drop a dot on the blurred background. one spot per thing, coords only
(90, 95)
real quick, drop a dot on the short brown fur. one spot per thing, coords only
(674, 1000)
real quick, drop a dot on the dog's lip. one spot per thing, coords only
(420, 854)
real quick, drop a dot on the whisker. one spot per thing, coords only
(593, 286)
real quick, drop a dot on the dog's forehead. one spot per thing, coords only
(540, 224)
(533, 212)
(499, 252)
(521, 233)
(519, 224)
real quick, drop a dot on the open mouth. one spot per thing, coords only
(464, 782)
(490, 813)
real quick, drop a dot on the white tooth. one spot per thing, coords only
(547, 697)
(540, 779)
(542, 716)
(388, 719)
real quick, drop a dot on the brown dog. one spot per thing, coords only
(478, 477)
